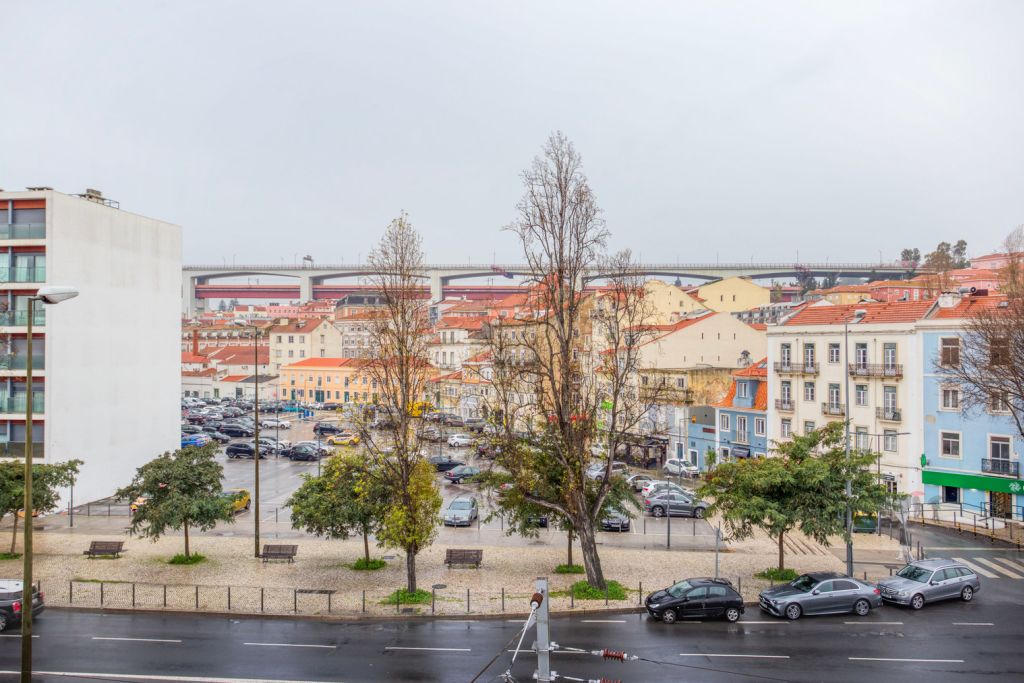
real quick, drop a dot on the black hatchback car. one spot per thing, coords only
(12, 605)
(242, 450)
(703, 598)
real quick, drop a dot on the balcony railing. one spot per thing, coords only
(665, 394)
(1000, 466)
(889, 414)
(16, 449)
(784, 368)
(20, 362)
(785, 404)
(20, 318)
(16, 404)
(833, 409)
(742, 437)
(22, 274)
(22, 231)
(893, 370)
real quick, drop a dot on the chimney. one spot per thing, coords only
(949, 299)
(195, 342)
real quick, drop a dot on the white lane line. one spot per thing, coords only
(139, 640)
(771, 621)
(873, 623)
(12, 635)
(998, 568)
(325, 647)
(893, 659)
(973, 623)
(156, 677)
(980, 570)
(1004, 561)
(432, 649)
(705, 654)
(602, 621)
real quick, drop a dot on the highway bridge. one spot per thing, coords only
(316, 281)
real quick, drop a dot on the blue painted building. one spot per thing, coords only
(741, 417)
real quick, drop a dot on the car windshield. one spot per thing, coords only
(460, 505)
(804, 583)
(678, 590)
(914, 573)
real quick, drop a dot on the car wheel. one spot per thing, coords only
(658, 511)
(732, 614)
(699, 513)
(967, 594)
(862, 608)
(793, 612)
(669, 616)
(3, 623)
(248, 504)
(917, 602)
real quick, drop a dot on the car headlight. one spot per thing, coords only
(775, 602)
(903, 594)
(654, 605)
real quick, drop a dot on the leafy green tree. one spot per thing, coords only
(410, 524)
(182, 490)
(345, 500)
(803, 487)
(911, 257)
(47, 482)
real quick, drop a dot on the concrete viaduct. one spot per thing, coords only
(311, 277)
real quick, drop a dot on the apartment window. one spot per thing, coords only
(302, 353)
(785, 355)
(860, 355)
(950, 494)
(291, 339)
(889, 355)
(723, 422)
(999, 351)
(323, 339)
(950, 398)
(861, 438)
(889, 440)
(786, 428)
(809, 355)
(949, 352)
(787, 391)
(889, 398)
(322, 353)
(277, 353)
(291, 354)
(833, 353)
(680, 382)
(742, 390)
(808, 391)
(949, 444)
(741, 424)
(861, 394)
(808, 426)
(643, 380)
(278, 339)
(833, 395)
(302, 339)
(999, 447)
(999, 402)
(759, 426)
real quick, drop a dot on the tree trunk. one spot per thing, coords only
(410, 571)
(591, 560)
(366, 545)
(186, 541)
(782, 555)
(14, 533)
(569, 536)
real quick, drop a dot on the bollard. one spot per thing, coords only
(275, 515)
(572, 598)
(229, 598)
(197, 596)
(329, 602)
(398, 601)
(433, 597)
(502, 598)
(606, 596)
(108, 509)
(640, 594)
(295, 601)
(467, 601)
(364, 602)
(645, 526)
(739, 585)
(261, 600)
(71, 589)
(133, 595)
(695, 525)
(165, 595)
(890, 571)
(101, 594)
(865, 576)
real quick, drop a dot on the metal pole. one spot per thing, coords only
(543, 637)
(26, 581)
(718, 535)
(256, 458)
(318, 454)
(849, 484)
(71, 509)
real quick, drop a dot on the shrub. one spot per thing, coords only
(10, 556)
(404, 597)
(180, 558)
(776, 574)
(362, 564)
(569, 569)
(581, 590)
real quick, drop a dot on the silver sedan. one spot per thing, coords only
(820, 593)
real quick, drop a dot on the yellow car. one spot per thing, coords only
(239, 498)
(344, 439)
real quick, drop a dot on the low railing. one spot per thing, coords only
(20, 362)
(17, 403)
(892, 370)
(833, 409)
(16, 449)
(791, 368)
(741, 438)
(784, 404)
(889, 414)
(20, 318)
(22, 274)
(999, 466)
(22, 231)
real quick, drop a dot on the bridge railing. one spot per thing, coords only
(523, 268)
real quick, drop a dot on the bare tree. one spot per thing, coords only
(398, 372)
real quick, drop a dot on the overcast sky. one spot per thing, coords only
(708, 129)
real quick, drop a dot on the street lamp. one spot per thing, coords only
(52, 294)
(256, 446)
(857, 315)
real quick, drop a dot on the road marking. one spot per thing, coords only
(973, 623)
(12, 635)
(980, 570)
(998, 568)
(326, 647)
(893, 659)
(139, 640)
(771, 621)
(873, 623)
(1013, 568)
(432, 649)
(704, 654)
(157, 677)
(602, 621)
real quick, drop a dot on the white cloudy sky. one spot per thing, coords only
(709, 129)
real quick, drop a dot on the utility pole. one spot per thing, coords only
(543, 647)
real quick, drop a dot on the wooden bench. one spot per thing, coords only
(104, 549)
(463, 556)
(279, 552)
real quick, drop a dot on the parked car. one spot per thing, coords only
(699, 598)
(219, 437)
(431, 434)
(240, 499)
(615, 520)
(677, 467)
(675, 504)
(930, 580)
(433, 416)
(637, 481)
(452, 420)
(443, 463)
(326, 428)
(462, 473)
(820, 593)
(344, 439)
(12, 603)
(487, 450)
(382, 422)
(191, 429)
(242, 450)
(302, 452)
(597, 469)
(474, 424)
(274, 423)
(460, 440)
(236, 430)
(462, 511)
(198, 440)
(323, 449)
(658, 486)
(269, 445)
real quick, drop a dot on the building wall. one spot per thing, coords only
(668, 302)
(734, 294)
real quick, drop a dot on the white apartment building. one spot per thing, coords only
(295, 340)
(356, 331)
(828, 362)
(458, 339)
(106, 364)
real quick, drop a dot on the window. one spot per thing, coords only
(860, 355)
(999, 447)
(741, 424)
(787, 391)
(999, 402)
(949, 444)
(680, 382)
(861, 438)
(889, 440)
(833, 353)
(278, 339)
(302, 353)
(824, 587)
(861, 394)
(323, 339)
(322, 353)
(808, 355)
(949, 352)
(950, 398)
(716, 591)
(999, 351)
(742, 390)
(808, 391)
(277, 353)
(759, 426)
(723, 422)
(889, 399)
(643, 380)
(302, 339)
(841, 585)
(950, 494)
(291, 354)
(786, 428)
(833, 395)
(889, 355)
(785, 355)
(291, 339)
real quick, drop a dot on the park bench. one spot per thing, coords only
(279, 552)
(463, 556)
(104, 548)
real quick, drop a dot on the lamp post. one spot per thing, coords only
(52, 294)
(849, 484)
(256, 442)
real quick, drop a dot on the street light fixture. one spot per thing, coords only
(256, 444)
(52, 294)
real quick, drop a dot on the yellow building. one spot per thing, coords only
(328, 380)
(733, 294)
(842, 295)
(668, 303)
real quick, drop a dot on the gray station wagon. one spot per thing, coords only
(820, 593)
(928, 581)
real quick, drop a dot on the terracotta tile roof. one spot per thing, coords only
(887, 312)
(726, 401)
(233, 378)
(297, 327)
(968, 306)
(481, 357)
(448, 376)
(239, 355)
(910, 284)
(205, 372)
(760, 327)
(761, 398)
(470, 322)
(322, 363)
(758, 369)
(189, 357)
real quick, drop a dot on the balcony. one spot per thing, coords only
(16, 449)
(784, 404)
(22, 231)
(20, 318)
(15, 405)
(784, 368)
(833, 409)
(15, 361)
(889, 414)
(1010, 468)
(665, 393)
(22, 274)
(742, 438)
(890, 370)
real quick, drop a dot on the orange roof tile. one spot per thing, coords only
(761, 397)
(320, 363)
(240, 355)
(968, 306)
(760, 327)
(758, 369)
(886, 312)
(205, 372)
(189, 357)
(726, 402)
(298, 326)
(233, 378)
(469, 322)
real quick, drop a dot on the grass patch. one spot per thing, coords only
(569, 569)
(581, 590)
(776, 574)
(10, 556)
(362, 564)
(404, 597)
(181, 558)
